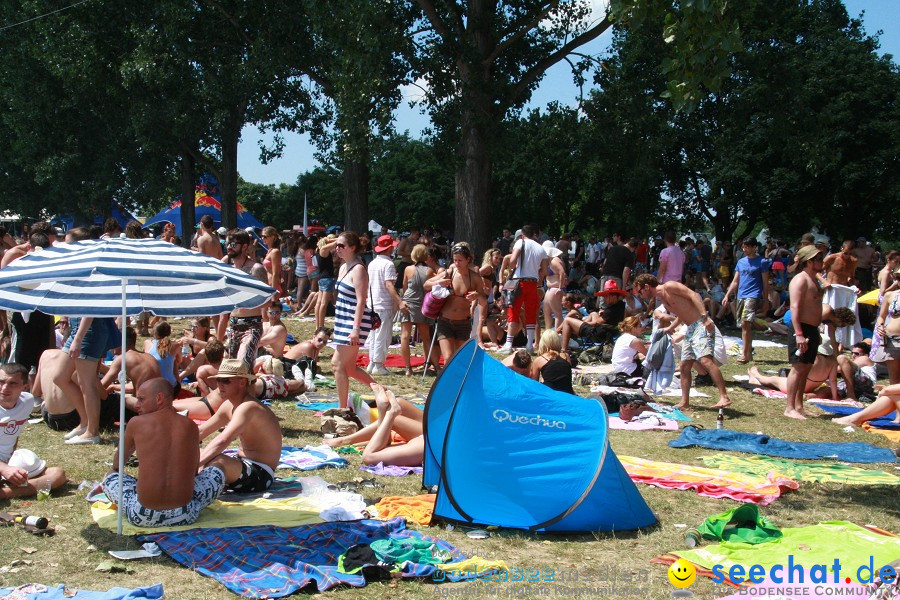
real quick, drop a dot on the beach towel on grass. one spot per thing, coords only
(820, 544)
(726, 439)
(891, 434)
(769, 392)
(36, 591)
(642, 423)
(284, 512)
(815, 472)
(391, 470)
(272, 562)
(714, 483)
(310, 458)
(884, 422)
(669, 412)
(418, 509)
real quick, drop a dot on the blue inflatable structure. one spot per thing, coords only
(509, 451)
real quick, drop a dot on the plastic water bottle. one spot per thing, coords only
(185, 351)
(720, 419)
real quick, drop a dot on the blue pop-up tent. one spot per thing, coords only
(116, 210)
(506, 450)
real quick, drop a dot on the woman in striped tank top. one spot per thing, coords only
(351, 321)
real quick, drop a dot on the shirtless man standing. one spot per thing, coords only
(245, 323)
(208, 239)
(168, 491)
(806, 314)
(841, 266)
(242, 417)
(864, 254)
(699, 340)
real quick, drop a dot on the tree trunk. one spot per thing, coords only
(473, 185)
(228, 184)
(186, 182)
(356, 195)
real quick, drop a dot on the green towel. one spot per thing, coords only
(819, 544)
(798, 471)
(414, 550)
(741, 524)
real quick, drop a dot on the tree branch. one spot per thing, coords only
(695, 183)
(519, 29)
(439, 27)
(538, 69)
(453, 7)
(207, 162)
(234, 22)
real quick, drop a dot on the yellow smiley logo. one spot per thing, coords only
(682, 573)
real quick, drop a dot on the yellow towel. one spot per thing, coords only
(285, 512)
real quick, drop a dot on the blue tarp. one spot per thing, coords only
(725, 439)
(509, 451)
(60, 592)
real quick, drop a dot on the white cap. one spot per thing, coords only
(222, 231)
(28, 460)
(250, 230)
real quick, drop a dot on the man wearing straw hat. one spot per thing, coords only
(243, 418)
(168, 491)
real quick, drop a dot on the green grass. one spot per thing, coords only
(72, 555)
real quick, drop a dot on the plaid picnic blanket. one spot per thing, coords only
(272, 562)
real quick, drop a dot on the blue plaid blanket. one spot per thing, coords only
(271, 562)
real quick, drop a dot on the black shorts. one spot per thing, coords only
(813, 337)
(597, 334)
(255, 477)
(63, 422)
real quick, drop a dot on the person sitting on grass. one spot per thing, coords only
(888, 400)
(394, 415)
(241, 417)
(22, 473)
(169, 490)
(597, 327)
(551, 367)
(520, 362)
(858, 372)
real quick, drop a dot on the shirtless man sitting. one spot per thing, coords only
(141, 367)
(699, 341)
(841, 266)
(206, 364)
(208, 239)
(243, 418)
(858, 372)
(59, 411)
(275, 333)
(169, 490)
(520, 362)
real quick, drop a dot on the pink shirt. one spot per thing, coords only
(674, 259)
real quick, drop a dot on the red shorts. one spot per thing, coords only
(528, 297)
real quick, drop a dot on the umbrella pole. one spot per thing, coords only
(122, 409)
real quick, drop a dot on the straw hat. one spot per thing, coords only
(235, 368)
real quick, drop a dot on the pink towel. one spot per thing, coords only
(768, 393)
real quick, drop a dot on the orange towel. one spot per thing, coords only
(416, 509)
(891, 434)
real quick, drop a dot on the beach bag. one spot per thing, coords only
(340, 421)
(434, 302)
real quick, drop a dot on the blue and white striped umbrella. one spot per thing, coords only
(120, 277)
(84, 279)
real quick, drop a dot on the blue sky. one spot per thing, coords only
(883, 15)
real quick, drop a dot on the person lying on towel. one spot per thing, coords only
(243, 418)
(394, 416)
(168, 490)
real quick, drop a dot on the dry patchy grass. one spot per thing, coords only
(79, 546)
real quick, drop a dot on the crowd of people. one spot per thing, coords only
(589, 292)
